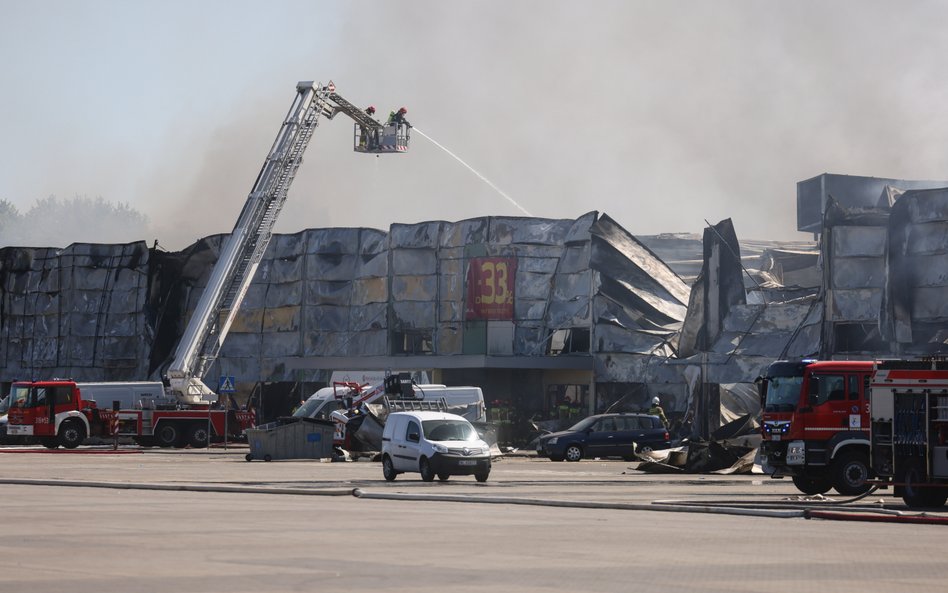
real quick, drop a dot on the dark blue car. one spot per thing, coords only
(606, 435)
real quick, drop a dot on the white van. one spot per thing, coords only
(130, 395)
(433, 444)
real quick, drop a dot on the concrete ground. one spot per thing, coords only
(182, 520)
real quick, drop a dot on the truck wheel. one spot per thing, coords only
(71, 434)
(851, 473)
(198, 436)
(810, 485)
(168, 435)
(916, 495)
(424, 468)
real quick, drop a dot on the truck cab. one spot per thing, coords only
(53, 412)
(815, 424)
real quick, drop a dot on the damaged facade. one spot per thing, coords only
(534, 311)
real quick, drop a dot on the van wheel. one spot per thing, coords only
(424, 467)
(388, 468)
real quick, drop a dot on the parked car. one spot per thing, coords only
(606, 435)
(433, 444)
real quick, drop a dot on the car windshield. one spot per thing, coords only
(448, 430)
(584, 423)
(783, 394)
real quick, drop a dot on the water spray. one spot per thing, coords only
(482, 178)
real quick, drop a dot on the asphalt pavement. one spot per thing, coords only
(183, 520)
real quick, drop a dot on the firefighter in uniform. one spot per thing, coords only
(656, 410)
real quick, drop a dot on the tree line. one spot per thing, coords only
(55, 222)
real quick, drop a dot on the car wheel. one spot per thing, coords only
(645, 449)
(424, 468)
(482, 476)
(810, 485)
(574, 453)
(851, 473)
(388, 468)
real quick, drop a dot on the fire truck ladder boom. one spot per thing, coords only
(243, 249)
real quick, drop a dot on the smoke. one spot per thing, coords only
(658, 115)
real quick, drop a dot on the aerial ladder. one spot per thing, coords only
(243, 249)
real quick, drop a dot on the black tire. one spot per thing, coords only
(810, 485)
(851, 473)
(916, 496)
(388, 469)
(424, 467)
(574, 453)
(443, 477)
(248, 457)
(482, 476)
(144, 441)
(71, 434)
(168, 435)
(198, 436)
(555, 458)
(267, 458)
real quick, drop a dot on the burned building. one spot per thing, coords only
(537, 312)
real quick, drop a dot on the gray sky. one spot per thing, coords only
(660, 114)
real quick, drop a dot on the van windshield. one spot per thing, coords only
(448, 430)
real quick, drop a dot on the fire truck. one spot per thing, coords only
(815, 424)
(181, 410)
(910, 430)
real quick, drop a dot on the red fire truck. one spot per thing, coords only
(58, 413)
(910, 430)
(816, 424)
(183, 410)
